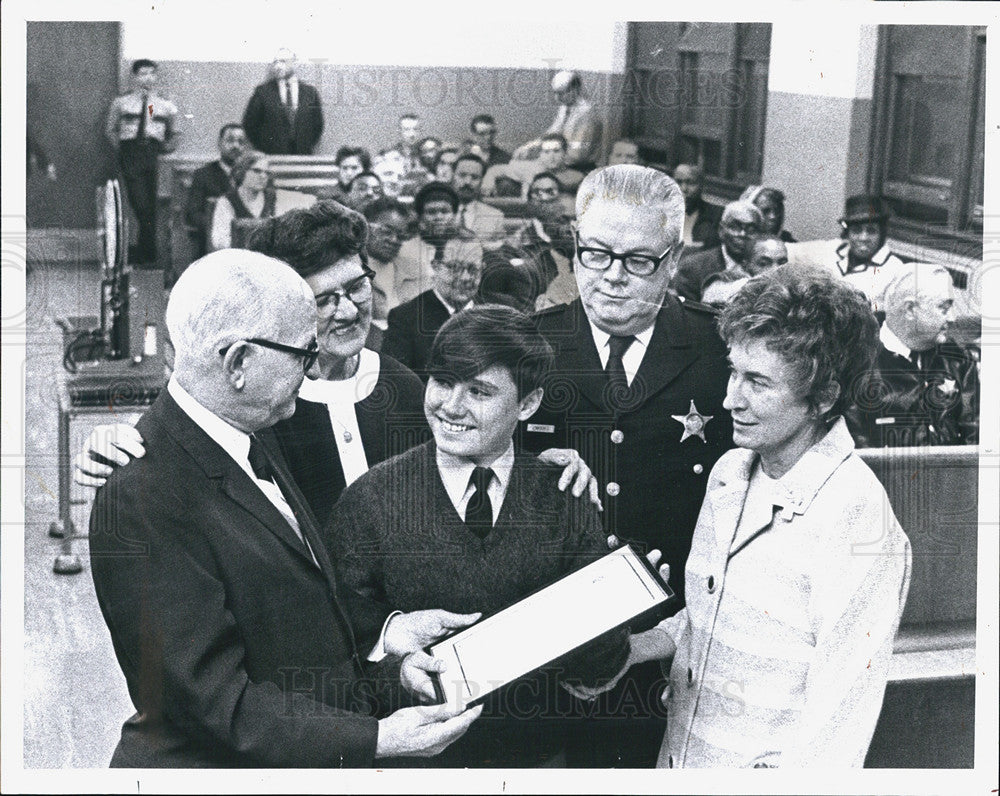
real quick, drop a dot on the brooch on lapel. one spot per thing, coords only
(694, 423)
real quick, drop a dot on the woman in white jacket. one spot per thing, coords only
(798, 571)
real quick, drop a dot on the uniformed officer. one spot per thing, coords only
(924, 388)
(637, 389)
(140, 126)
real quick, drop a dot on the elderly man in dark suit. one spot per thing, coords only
(284, 115)
(210, 182)
(237, 645)
(741, 221)
(413, 325)
(637, 388)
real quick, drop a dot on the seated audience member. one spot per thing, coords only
(624, 150)
(464, 521)
(220, 585)
(771, 203)
(701, 218)
(210, 182)
(551, 157)
(252, 196)
(444, 168)
(484, 131)
(428, 150)
(720, 287)
(737, 229)
(484, 221)
(924, 388)
(351, 161)
(766, 251)
(436, 206)
(398, 179)
(388, 227)
(365, 188)
(798, 572)
(548, 237)
(455, 278)
(862, 257)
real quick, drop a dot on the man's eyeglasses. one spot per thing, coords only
(597, 259)
(308, 355)
(357, 292)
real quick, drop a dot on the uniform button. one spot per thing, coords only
(617, 436)
(690, 676)
(711, 584)
(613, 489)
(698, 469)
(670, 761)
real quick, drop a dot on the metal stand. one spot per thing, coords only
(102, 389)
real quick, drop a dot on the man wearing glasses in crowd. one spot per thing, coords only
(637, 388)
(456, 275)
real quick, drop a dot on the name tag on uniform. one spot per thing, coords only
(884, 421)
(542, 428)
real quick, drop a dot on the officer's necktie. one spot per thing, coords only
(143, 113)
(618, 345)
(479, 510)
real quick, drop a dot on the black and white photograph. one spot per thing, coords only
(441, 394)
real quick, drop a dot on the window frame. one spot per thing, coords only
(964, 214)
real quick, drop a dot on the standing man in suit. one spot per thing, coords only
(740, 224)
(237, 645)
(210, 182)
(140, 126)
(413, 325)
(637, 389)
(284, 115)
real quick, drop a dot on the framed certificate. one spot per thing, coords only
(547, 624)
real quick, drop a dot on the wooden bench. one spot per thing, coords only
(928, 715)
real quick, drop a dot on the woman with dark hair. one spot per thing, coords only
(252, 196)
(798, 572)
(771, 203)
(350, 161)
(363, 405)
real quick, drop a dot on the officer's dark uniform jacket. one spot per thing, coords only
(901, 403)
(652, 481)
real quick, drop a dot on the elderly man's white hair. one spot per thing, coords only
(911, 280)
(742, 205)
(636, 185)
(230, 295)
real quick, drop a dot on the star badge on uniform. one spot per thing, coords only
(694, 423)
(948, 386)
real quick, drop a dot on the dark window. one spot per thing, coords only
(700, 95)
(929, 133)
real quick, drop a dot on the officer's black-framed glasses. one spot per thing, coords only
(597, 259)
(308, 355)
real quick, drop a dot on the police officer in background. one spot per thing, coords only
(924, 386)
(637, 389)
(141, 125)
